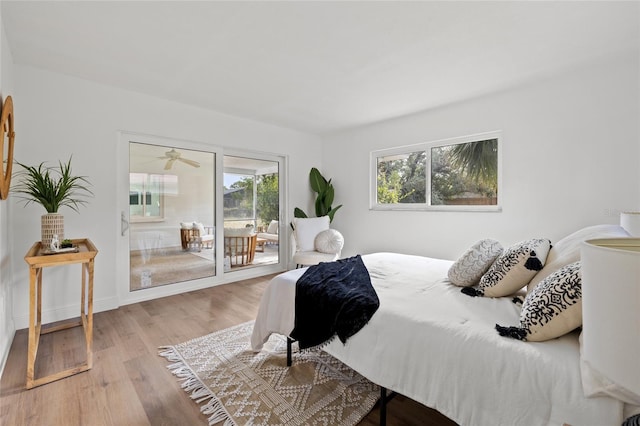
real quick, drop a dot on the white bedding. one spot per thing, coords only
(433, 344)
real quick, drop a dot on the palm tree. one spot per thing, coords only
(478, 160)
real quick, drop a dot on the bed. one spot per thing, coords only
(437, 346)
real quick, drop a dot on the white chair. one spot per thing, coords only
(271, 235)
(312, 241)
(194, 235)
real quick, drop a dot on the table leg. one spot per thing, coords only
(34, 315)
(89, 334)
(39, 298)
(83, 296)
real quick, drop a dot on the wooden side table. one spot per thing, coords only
(37, 261)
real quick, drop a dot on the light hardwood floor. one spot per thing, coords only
(129, 383)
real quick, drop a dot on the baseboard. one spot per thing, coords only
(4, 351)
(66, 312)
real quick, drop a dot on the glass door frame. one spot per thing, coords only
(125, 295)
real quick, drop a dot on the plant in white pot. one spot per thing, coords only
(52, 188)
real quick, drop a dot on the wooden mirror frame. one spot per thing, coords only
(6, 125)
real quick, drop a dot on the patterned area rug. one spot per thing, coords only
(237, 386)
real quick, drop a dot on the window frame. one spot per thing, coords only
(142, 200)
(426, 147)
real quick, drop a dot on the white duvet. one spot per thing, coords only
(437, 346)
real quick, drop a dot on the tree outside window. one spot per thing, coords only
(239, 202)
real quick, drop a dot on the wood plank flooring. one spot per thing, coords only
(129, 383)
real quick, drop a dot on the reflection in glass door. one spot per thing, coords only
(172, 215)
(251, 212)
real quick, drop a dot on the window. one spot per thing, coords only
(453, 174)
(146, 195)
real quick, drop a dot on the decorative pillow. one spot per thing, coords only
(468, 270)
(552, 309)
(306, 229)
(199, 227)
(329, 241)
(186, 225)
(513, 269)
(567, 250)
(238, 232)
(273, 227)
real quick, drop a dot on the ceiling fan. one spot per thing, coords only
(174, 155)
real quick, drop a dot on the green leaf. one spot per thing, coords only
(478, 159)
(320, 207)
(328, 197)
(325, 194)
(299, 213)
(318, 182)
(333, 212)
(52, 187)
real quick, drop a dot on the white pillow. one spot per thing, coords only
(306, 230)
(199, 227)
(552, 309)
(514, 268)
(238, 232)
(470, 267)
(567, 250)
(273, 227)
(186, 225)
(329, 241)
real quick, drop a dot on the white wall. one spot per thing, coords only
(7, 327)
(61, 115)
(571, 157)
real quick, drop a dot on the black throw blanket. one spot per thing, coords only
(333, 298)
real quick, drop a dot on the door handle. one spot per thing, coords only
(124, 223)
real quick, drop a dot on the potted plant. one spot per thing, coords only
(52, 188)
(324, 198)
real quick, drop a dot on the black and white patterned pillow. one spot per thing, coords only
(513, 269)
(469, 268)
(552, 309)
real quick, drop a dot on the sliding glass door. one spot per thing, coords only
(184, 209)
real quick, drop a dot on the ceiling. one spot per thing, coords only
(317, 66)
(149, 158)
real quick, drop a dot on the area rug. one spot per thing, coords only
(237, 386)
(152, 268)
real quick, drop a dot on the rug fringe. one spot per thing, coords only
(218, 413)
(196, 390)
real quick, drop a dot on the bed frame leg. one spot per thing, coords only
(289, 343)
(383, 406)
